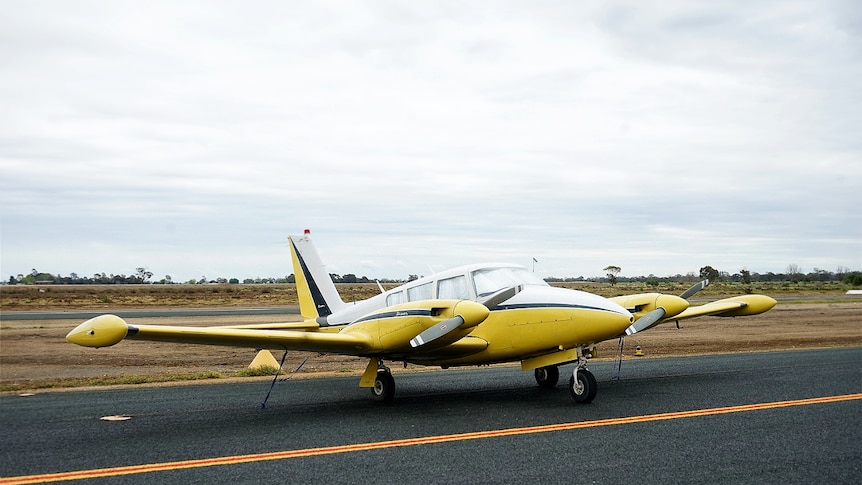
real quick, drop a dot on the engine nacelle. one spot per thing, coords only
(393, 327)
(643, 303)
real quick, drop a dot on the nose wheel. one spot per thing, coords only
(582, 386)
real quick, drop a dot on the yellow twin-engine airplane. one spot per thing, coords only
(471, 315)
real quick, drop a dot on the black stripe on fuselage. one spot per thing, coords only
(538, 306)
(420, 312)
(323, 309)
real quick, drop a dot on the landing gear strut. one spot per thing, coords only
(582, 384)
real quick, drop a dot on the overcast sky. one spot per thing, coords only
(192, 137)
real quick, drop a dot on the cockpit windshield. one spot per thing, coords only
(490, 280)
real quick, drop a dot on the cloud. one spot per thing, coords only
(193, 138)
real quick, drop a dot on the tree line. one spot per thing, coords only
(793, 274)
(144, 276)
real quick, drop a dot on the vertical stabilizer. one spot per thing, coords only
(318, 296)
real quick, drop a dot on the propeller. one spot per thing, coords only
(664, 304)
(491, 301)
(685, 295)
(646, 321)
(468, 314)
(433, 333)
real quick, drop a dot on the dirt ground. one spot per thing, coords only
(35, 353)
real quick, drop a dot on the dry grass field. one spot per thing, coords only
(107, 297)
(34, 354)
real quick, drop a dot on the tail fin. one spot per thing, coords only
(318, 296)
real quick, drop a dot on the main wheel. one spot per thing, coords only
(547, 377)
(584, 389)
(384, 387)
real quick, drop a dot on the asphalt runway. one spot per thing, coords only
(781, 417)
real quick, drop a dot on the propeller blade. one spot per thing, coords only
(437, 331)
(495, 299)
(646, 321)
(694, 289)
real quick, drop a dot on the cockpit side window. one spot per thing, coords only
(395, 298)
(421, 292)
(453, 289)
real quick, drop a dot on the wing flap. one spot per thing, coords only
(306, 325)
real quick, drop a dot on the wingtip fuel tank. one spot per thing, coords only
(101, 331)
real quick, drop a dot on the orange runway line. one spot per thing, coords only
(425, 440)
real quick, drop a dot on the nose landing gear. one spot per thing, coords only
(582, 385)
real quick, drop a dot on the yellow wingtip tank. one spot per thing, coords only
(101, 331)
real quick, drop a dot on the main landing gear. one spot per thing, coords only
(547, 377)
(384, 385)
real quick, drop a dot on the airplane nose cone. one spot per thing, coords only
(673, 305)
(101, 331)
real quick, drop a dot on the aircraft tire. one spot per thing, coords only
(384, 387)
(547, 377)
(585, 390)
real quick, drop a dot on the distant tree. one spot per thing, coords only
(233, 281)
(710, 273)
(349, 278)
(794, 272)
(746, 279)
(854, 278)
(841, 272)
(143, 274)
(412, 277)
(612, 272)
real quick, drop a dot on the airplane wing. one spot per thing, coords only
(407, 329)
(651, 309)
(107, 330)
(730, 307)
